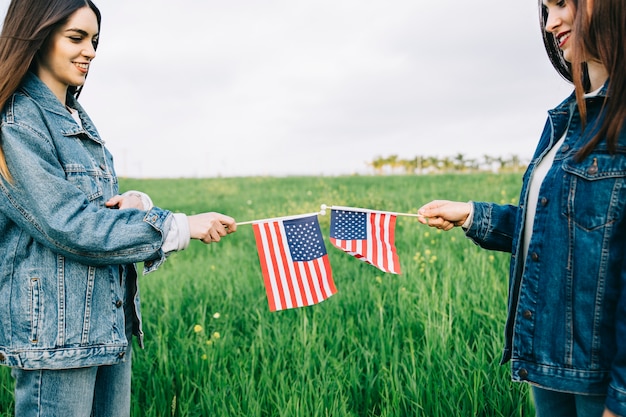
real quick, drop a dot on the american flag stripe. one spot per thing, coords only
(290, 284)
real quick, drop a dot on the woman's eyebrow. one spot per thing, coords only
(80, 31)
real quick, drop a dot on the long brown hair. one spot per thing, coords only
(599, 35)
(27, 26)
(603, 37)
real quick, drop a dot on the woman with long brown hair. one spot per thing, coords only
(566, 327)
(68, 240)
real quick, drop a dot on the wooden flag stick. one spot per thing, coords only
(281, 218)
(324, 207)
(322, 212)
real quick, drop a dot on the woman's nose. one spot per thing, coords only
(553, 22)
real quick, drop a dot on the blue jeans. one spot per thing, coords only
(561, 404)
(99, 391)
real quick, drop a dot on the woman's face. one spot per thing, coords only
(65, 58)
(560, 22)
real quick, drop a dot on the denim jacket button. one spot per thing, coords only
(149, 264)
(121, 355)
(523, 373)
(2, 357)
(534, 256)
(544, 201)
(119, 303)
(592, 170)
(527, 314)
(564, 148)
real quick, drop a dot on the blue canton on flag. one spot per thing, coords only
(304, 238)
(348, 225)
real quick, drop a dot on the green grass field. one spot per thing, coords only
(424, 343)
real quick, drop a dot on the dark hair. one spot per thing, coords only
(601, 36)
(27, 26)
(552, 46)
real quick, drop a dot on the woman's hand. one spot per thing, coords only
(126, 201)
(444, 214)
(210, 227)
(608, 413)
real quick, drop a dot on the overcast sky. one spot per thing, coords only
(316, 87)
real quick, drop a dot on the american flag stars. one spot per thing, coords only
(348, 225)
(304, 238)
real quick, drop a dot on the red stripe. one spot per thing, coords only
(264, 270)
(329, 274)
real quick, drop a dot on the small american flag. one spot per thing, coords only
(294, 262)
(367, 235)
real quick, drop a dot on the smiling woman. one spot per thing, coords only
(68, 53)
(70, 241)
(565, 329)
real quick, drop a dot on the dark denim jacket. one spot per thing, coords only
(566, 327)
(64, 255)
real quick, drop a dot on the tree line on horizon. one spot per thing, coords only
(418, 165)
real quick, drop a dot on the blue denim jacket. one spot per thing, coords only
(566, 327)
(66, 260)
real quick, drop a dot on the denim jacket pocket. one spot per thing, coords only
(594, 190)
(87, 182)
(34, 307)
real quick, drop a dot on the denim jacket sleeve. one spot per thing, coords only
(493, 226)
(616, 397)
(60, 214)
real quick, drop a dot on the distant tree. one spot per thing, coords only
(393, 162)
(411, 166)
(431, 164)
(377, 164)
